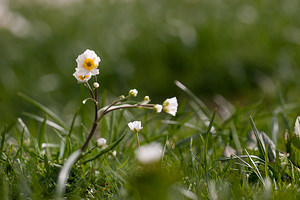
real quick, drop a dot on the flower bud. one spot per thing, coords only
(96, 85)
(101, 142)
(147, 98)
(157, 108)
(133, 92)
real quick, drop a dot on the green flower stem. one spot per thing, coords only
(137, 138)
(106, 111)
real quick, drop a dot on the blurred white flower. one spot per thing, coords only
(88, 62)
(170, 106)
(149, 153)
(96, 85)
(133, 92)
(135, 126)
(101, 142)
(114, 152)
(157, 108)
(81, 77)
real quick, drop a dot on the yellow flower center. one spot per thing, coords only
(83, 77)
(89, 64)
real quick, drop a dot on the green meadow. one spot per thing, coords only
(211, 88)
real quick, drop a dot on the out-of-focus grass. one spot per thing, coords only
(196, 163)
(230, 47)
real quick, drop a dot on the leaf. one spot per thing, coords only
(201, 105)
(296, 136)
(107, 149)
(64, 174)
(271, 146)
(258, 138)
(42, 132)
(48, 122)
(44, 109)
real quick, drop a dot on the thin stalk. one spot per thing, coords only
(95, 123)
(137, 138)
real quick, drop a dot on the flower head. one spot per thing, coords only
(101, 142)
(135, 126)
(149, 153)
(170, 106)
(133, 92)
(157, 108)
(82, 77)
(88, 62)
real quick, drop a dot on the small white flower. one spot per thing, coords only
(170, 106)
(149, 153)
(81, 77)
(147, 98)
(114, 152)
(133, 92)
(101, 142)
(135, 126)
(96, 85)
(88, 62)
(157, 108)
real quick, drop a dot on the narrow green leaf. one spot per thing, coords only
(64, 174)
(201, 105)
(3, 133)
(258, 138)
(40, 119)
(44, 109)
(107, 149)
(42, 132)
(226, 168)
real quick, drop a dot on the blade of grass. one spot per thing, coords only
(201, 105)
(45, 110)
(40, 119)
(107, 149)
(206, 145)
(226, 168)
(258, 138)
(64, 174)
(42, 132)
(275, 128)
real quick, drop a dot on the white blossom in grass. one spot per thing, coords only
(135, 126)
(170, 106)
(96, 85)
(101, 142)
(133, 92)
(150, 153)
(88, 62)
(114, 152)
(157, 108)
(81, 77)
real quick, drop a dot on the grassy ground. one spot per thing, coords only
(207, 153)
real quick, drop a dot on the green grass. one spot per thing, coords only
(193, 165)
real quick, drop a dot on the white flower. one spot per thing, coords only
(157, 108)
(149, 153)
(114, 152)
(82, 77)
(133, 92)
(135, 126)
(101, 142)
(88, 62)
(96, 85)
(170, 106)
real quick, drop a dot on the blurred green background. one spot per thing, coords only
(243, 50)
